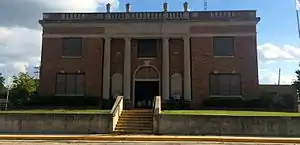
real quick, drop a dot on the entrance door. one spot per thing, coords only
(145, 91)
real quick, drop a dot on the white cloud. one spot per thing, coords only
(26, 13)
(270, 51)
(269, 54)
(20, 39)
(20, 48)
(271, 77)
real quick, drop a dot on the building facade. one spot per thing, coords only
(186, 55)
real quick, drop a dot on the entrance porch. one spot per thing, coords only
(144, 93)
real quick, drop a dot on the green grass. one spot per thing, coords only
(228, 113)
(56, 111)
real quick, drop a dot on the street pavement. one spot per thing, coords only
(20, 142)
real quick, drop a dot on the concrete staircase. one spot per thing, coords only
(135, 122)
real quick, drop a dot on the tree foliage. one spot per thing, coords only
(23, 87)
(296, 83)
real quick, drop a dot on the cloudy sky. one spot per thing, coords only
(20, 33)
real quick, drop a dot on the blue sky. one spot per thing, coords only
(278, 42)
(278, 16)
(277, 30)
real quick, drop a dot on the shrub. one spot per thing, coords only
(59, 102)
(223, 103)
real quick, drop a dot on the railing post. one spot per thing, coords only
(156, 114)
(116, 112)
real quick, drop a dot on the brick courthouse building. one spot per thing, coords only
(185, 55)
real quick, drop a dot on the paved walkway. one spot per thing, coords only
(150, 138)
(20, 142)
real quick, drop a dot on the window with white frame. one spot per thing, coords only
(225, 84)
(70, 84)
(72, 47)
(223, 46)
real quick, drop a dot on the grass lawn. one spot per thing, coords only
(57, 111)
(228, 113)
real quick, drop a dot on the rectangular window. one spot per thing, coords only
(70, 84)
(72, 47)
(147, 48)
(223, 46)
(225, 84)
(60, 84)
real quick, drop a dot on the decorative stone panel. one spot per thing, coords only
(116, 85)
(176, 85)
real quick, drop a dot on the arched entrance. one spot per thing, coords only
(146, 85)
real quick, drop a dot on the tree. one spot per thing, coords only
(296, 83)
(24, 86)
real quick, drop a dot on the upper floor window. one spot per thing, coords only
(223, 46)
(72, 47)
(147, 48)
(225, 84)
(70, 84)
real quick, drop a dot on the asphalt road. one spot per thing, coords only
(20, 142)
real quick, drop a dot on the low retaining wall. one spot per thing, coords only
(55, 123)
(228, 125)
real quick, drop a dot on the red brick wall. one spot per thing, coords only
(203, 62)
(117, 56)
(90, 63)
(73, 30)
(222, 29)
(136, 62)
(176, 58)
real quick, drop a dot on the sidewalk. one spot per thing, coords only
(150, 138)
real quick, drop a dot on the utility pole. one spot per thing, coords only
(279, 73)
(205, 5)
(37, 72)
(7, 96)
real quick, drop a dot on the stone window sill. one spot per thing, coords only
(223, 56)
(142, 58)
(67, 95)
(226, 96)
(71, 57)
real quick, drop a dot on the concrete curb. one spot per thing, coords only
(150, 138)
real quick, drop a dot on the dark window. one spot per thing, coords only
(72, 47)
(223, 46)
(225, 84)
(147, 48)
(60, 84)
(70, 83)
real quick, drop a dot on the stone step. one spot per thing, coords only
(138, 111)
(136, 114)
(145, 117)
(133, 128)
(133, 131)
(139, 117)
(135, 122)
(134, 125)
